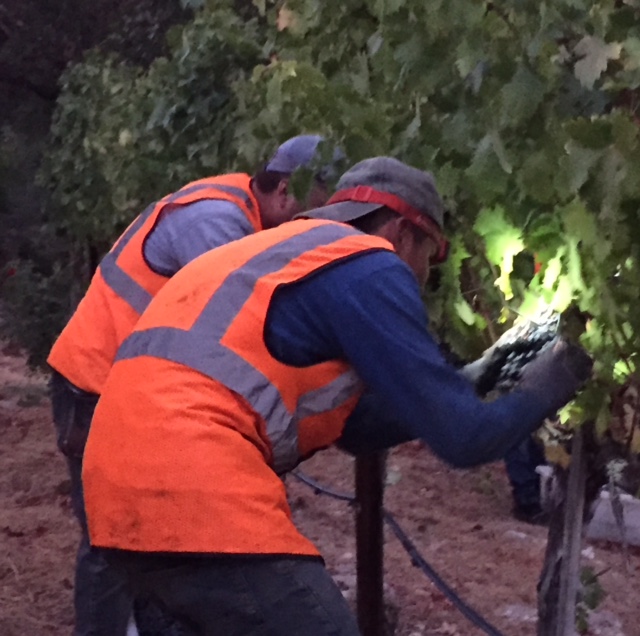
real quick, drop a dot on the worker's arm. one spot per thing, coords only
(184, 234)
(368, 310)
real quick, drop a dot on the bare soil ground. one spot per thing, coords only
(459, 521)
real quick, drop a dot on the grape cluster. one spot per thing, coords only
(518, 347)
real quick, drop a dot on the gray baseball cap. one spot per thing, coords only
(386, 182)
(302, 151)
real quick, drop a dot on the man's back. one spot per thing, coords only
(204, 396)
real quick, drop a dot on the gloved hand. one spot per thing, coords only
(499, 366)
(557, 373)
(476, 370)
(483, 372)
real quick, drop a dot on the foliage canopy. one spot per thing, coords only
(525, 111)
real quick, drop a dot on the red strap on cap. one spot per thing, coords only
(366, 194)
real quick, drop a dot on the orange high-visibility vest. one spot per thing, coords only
(197, 418)
(124, 284)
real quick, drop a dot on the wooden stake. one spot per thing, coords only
(572, 544)
(370, 472)
(558, 586)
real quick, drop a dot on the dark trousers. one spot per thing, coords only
(521, 462)
(102, 597)
(240, 595)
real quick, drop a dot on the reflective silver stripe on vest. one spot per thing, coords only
(122, 283)
(132, 230)
(116, 278)
(330, 396)
(239, 193)
(200, 349)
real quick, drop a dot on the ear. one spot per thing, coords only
(404, 232)
(282, 191)
(391, 231)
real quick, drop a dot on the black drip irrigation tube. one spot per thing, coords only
(416, 558)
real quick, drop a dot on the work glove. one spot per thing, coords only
(500, 365)
(556, 374)
(484, 372)
(480, 368)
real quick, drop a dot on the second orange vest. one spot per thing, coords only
(124, 284)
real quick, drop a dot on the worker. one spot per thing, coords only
(521, 463)
(255, 356)
(169, 234)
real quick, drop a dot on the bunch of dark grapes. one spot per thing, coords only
(516, 348)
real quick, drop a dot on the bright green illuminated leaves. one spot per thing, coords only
(562, 296)
(622, 370)
(503, 241)
(464, 312)
(552, 271)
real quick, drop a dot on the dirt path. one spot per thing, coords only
(37, 531)
(458, 519)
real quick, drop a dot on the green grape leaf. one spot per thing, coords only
(580, 224)
(631, 53)
(578, 164)
(501, 151)
(594, 56)
(562, 296)
(261, 5)
(532, 304)
(576, 278)
(192, 4)
(448, 179)
(537, 177)
(486, 174)
(500, 235)
(521, 96)
(386, 7)
(464, 312)
(552, 270)
(604, 417)
(503, 241)
(594, 133)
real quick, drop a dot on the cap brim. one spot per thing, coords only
(342, 212)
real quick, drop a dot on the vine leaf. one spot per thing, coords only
(503, 241)
(286, 19)
(562, 296)
(595, 55)
(465, 313)
(192, 4)
(579, 223)
(521, 96)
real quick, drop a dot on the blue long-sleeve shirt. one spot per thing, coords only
(368, 310)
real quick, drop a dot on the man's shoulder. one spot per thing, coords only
(368, 269)
(206, 211)
(374, 260)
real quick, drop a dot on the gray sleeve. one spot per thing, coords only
(186, 233)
